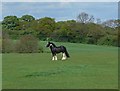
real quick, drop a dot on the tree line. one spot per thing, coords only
(85, 29)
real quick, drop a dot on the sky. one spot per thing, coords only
(62, 10)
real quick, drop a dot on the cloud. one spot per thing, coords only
(60, 10)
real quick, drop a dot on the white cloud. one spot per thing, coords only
(61, 10)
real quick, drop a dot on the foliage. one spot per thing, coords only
(27, 18)
(83, 30)
(46, 27)
(28, 44)
(10, 22)
(95, 32)
(109, 40)
(7, 44)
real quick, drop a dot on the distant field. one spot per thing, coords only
(89, 67)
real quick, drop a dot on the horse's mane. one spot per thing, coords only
(53, 44)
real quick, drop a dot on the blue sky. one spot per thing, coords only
(61, 10)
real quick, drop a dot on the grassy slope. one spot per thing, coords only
(90, 66)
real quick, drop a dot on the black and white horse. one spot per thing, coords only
(55, 50)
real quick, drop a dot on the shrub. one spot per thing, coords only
(90, 40)
(108, 40)
(28, 44)
(7, 44)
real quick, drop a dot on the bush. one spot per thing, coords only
(7, 44)
(108, 40)
(90, 40)
(0, 46)
(28, 44)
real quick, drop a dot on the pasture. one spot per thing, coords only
(89, 67)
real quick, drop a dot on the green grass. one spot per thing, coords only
(89, 67)
(0, 58)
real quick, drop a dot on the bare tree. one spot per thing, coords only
(110, 23)
(85, 18)
(98, 21)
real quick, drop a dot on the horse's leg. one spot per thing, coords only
(55, 57)
(63, 56)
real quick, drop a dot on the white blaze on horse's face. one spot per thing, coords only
(51, 45)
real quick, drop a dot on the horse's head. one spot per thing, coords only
(50, 44)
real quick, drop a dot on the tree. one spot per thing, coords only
(110, 23)
(63, 31)
(47, 22)
(84, 30)
(85, 18)
(27, 18)
(10, 22)
(98, 21)
(46, 26)
(95, 32)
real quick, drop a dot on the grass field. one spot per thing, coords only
(89, 67)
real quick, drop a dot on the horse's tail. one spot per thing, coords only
(66, 52)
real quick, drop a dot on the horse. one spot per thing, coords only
(55, 50)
